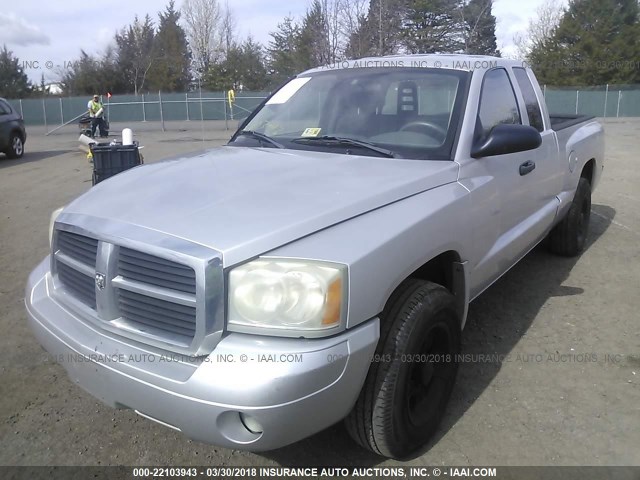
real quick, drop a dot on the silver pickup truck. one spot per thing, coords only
(318, 267)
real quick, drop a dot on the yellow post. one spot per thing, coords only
(231, 98)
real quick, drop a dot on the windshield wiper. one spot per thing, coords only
(261, 137)
(330, 140)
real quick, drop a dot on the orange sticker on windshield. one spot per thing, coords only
(311, 132)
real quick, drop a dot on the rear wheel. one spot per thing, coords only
(569, 237)
(16, 146)
(411, 377)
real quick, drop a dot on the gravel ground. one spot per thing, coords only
(535, 408)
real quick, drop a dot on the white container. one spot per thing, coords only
(127, 136)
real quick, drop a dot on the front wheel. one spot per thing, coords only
(569, 237)
(412, 374)
(16, 146)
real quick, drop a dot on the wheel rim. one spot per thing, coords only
(428, 380)
(17, 145)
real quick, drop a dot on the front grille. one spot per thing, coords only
(157, 316)
(159, 272)
(78, 247)
(142, 295)
(84, 250)
(78, 284)
(148, 313)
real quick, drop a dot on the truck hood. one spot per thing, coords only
(246, 201)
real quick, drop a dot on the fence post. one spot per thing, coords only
(618, 108)
(186, 102)
(161, 112)
(201, 110)
(44, 114)
(61, 112)
(21, 112)
(544, 90)
(144, 113)
(577, 100)
(224, 104)
(606, 94)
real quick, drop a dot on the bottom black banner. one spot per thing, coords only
(321, 473)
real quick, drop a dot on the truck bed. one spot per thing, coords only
(560, 122)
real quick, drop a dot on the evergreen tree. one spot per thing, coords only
(85, 77)
(432, 26)
(242, 69)
(312, 47)
(110, 73)
(43, 86)
(479, 28)
(171, 70)
(224, 74)
(136, 52)
(596, 42)
(14, 83)
(255, 74)
(361, 42)
(384, 26)
(283, 56)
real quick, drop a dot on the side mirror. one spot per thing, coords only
(507, 138)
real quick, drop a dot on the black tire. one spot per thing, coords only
(569, 237)
(16, 146)
(404, 395)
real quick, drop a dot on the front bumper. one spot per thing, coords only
(292, 388)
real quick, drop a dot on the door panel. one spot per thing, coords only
(511, 213)
(550, 176)
(508, 220)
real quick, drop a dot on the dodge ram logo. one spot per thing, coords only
(101, 281)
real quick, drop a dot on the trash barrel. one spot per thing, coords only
(110, 159)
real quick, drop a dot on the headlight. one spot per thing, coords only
(300, 295)
(52, 221)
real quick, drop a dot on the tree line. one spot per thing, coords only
(589, 42)
(198, 45)
(334, 30)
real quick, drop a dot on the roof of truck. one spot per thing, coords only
(454, 62)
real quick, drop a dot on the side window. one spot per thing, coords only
(497, 101)
(4, 108)
(530, 99)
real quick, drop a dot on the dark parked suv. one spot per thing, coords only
(12, 133)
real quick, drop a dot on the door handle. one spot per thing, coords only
(527, 167)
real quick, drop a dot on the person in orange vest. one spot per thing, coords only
(96, 112)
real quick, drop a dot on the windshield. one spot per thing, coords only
(411, 112)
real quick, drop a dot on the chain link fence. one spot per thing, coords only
(607, 101)
(54, 112)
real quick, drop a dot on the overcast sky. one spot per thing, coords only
(52, 33)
